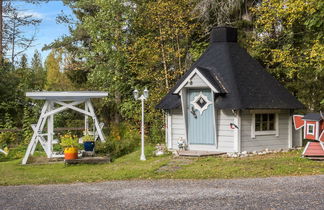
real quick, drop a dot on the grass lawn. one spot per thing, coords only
(130, 167)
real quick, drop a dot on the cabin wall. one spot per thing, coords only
(225, 135)
(261, 142)
(297, 137)
(177, 127)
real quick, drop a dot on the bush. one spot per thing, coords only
(122, 140)
(14, 153)
(8, 139)
(157, 132)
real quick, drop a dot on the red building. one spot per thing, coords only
(313, 124)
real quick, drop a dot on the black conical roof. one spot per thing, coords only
(247, 85)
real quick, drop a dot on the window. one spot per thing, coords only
(264, 122)
(310, 129)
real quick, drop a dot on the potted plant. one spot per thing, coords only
(70, 145)
(88, 142)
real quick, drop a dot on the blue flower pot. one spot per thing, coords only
(88, 146)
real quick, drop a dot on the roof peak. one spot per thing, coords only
(223, 34)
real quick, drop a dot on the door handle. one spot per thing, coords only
(193, 112)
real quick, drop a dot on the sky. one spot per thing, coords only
(48, 30)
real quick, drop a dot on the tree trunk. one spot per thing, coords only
(164, 63)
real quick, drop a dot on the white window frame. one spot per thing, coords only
(309, 125)
(265, 133)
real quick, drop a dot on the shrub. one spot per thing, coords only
(68, 140)
(8, 138)
(157, 132)
(122, 140)
(14, 153)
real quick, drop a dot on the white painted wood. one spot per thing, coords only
(86, 119)
(237, 132)
(169, 130)
(195, 71)
(177, 127)
(60, 109)
(297, 137)
(261, 142)
(47, 116)
(74, 108)
(3, 152)
(33, 141)
(50, 129)
(215, 119)
(66, 95)
(253, 126)
(225, 135)
(185, 107)
(196, 106)
(195, 81)
(306, 147)
(317, 130)
(313, 129)
(290, 135)
(95, 120)
(264, 133)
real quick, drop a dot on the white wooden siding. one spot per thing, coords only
(297, 137)
(196, 81)
(261, 142)
(177, 127)
(225, 135)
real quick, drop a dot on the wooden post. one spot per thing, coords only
(290, 141)
(34, 139)
(86, 119)
(50, 130)
(95, 121)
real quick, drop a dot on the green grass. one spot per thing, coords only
(130, 167)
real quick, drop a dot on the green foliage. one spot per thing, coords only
(14, 153)
(88, 138)
(8, 139)
(69, 140)
(122, 140)
(56, 79)
(130, 167)
(289, 40)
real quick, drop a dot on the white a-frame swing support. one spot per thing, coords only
(66, 100)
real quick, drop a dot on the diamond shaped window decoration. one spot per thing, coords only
(201, 102)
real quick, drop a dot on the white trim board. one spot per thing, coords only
(189, 77)
(267, 132)
(66, 95)
(307, 129)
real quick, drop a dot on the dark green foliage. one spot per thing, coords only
(122, 140)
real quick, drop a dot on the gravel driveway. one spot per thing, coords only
(306, 192)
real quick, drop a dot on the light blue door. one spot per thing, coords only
(200, 117)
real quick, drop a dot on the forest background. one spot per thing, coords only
(119, 45)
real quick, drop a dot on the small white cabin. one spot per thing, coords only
(227, 102)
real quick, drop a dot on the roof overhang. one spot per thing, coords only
(201, 75)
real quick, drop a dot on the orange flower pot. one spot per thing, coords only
(71, 153)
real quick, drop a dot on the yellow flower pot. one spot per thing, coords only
(70, 153)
